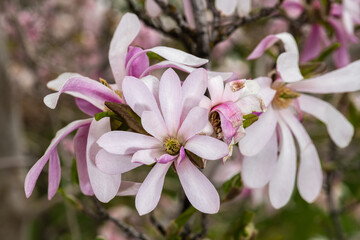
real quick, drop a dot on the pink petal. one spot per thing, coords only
(35, 171)
(310, 175)
(198, 189)
(193, 89)
(216, 89)
(125, 33)
(138, 96)
(121, 142)
(170, 100)
(189, 13)
(282, 182)
(182, 155)
(341, 55)
(54, 174)
(149, 193)
(80, 142)
(105, 186)
(338, 81)
(194, 122)
(87, 107)
(114, 164)
(154, 124)
(207, 147)
(339, 128)
(258, 170)
(85, 88)
(312, 46)
(226, 7)
(262, 46)
(128, 188)
(139, 64)
(293, 9)
(147, 156)
(58, 83)
(166, 158)
(266, 92)
(259, 133)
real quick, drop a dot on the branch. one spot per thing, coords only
(102, 214)
(156, 224)
(204, 225)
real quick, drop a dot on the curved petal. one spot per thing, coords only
(54, 174)
(262, 46)
(226, 7)
(138, 96)
(114, 164)
(312, 47)
(105, 186)
(216, 89)
(198, 189)
(341, 80)
(193, 89)
(259, 133)
(35, 171)
(123, 143)
(194, 122)
(125, 33)
(58, 83)
(154, 124)
(207, 147)
(147, 156)
(282, 182)
(149, 193)
(258, 170)
(80, 142)
(87, 107)
(170, 100)
(288, 67)
(128, 188)
(85, 88)
(152, 84)
(310, 175)
(137, 65)
(339, 128)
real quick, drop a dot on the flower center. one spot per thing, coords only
(284, 96)
(215, 121)
(172, 146)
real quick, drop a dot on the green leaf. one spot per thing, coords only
(195, 159)
(234, 182)
(101, 115)
(249, 119)
(177, 224)
(74, 172)
(243, 228)
(152, 55)
(127, 115)
(327, 52)
(310, 69)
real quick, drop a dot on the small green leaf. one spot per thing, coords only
(310, 69)
(101, 115)
(327, 52)
(249, 119)
(152, 55)
(234, 182)
(243, 228)
(177, 224)
(74, 172)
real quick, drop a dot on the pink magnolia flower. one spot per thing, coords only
(90, 98)
(227, 7)
(228, 104)
(275, 129)
(173, 120)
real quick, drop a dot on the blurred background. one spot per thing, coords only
(41, 39)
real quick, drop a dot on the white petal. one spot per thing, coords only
(147, 156)
(207, 147)
(114, 164)
(216, 89)
(194, 122)
(154, 124)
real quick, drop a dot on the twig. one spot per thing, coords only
(156, 224)
(102, 214)
(205, 227)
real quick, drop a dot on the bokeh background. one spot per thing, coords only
(41, 39)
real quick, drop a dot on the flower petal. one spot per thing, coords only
(216, 89)
(258, 170)
(198, 189)
(339, 128)
(194, 122)
(259, 133)
(147, 156)
(87, 107)
(80, 142)
(207, 147)
(170, 100)
(345, 79)
(105, 186)
(114, 164)
(54, 174)
(137, 65)
(35, 171)
(121, 142)
(128, 188)
(310, 175)
(312, 47)
(149, 193)
(138, 96)
(154, 124)
(125, 33)
(282, 182)
(166, 158)
(85, 88)
(288, 67)
(189, 13)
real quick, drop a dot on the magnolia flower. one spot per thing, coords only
(229, 104)
(275, 128)
(227, 7)
(90, 97)
(173, 121)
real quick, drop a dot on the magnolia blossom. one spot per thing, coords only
(173, 121)
(228, 104)
(90, 98)
(227, 7)
(274, 130)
